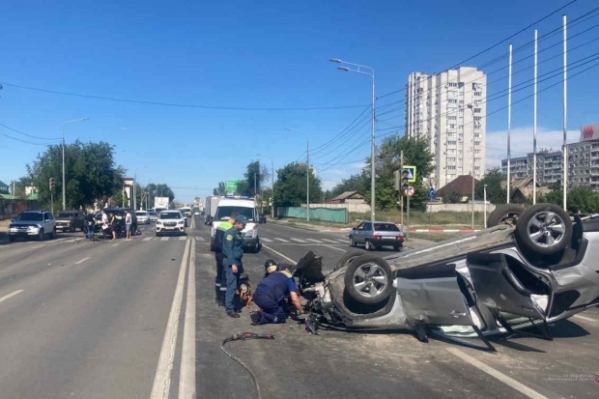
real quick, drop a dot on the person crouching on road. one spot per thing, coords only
(232, 263)
(220, 281)
(271, 294)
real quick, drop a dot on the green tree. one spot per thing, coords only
(452, 197)
(582, 199)
(290, 187)
(159, 190)
(496, 194)
(90, 173)
(415, 152)
(358, 182)
(253, 179)
(20, 186)
(220, 190)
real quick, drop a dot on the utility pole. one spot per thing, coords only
(400, 193)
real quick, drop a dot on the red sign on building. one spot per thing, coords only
(587, 132)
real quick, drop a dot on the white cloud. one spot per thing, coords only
(521, 143)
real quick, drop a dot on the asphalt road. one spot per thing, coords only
(117, 320)
(351, 365)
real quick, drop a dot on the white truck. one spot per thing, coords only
(244, 206)
(210, 207)
(161, 204)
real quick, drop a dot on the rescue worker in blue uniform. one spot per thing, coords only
(271, 295)
(232, 263)
(220, 281)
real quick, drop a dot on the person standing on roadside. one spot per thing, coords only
(128, 223)
(114, 225)
(220, 281)
(90, 221)
(233, 253)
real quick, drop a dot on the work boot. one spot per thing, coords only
(217, 298)
(232, 314)
(255, 316)
(221, 301)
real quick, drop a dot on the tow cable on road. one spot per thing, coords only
(244, 337)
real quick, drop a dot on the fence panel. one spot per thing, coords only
(339, 215)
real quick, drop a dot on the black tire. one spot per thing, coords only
(397, 248)
(383, 282)
(347, 259)
(53, 235)
(540, 245)
(507, 213)
(40, 236)
(368, 246)
(352, 243)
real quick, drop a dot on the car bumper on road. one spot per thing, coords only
(170, 230)
(23, 233)
(387, 242)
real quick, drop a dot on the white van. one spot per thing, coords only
(244, 206)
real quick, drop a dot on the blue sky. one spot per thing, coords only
(266, 54)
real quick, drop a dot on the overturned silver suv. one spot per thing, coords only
(530, 268)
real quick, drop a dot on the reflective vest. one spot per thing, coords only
(219, 236)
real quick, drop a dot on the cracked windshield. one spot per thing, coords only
(244, 199)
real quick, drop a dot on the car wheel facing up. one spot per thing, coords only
(368, 279)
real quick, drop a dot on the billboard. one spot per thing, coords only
(589, 132)
(231, 186)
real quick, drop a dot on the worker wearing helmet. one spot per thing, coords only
(270, 266)
(272, 292)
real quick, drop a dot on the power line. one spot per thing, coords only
(29, 135)
(165, 104)
(23, 141)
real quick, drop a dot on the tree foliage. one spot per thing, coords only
(220, 190)
(496, 194)
(290, 186)
(253, 179)
(90, 173)
(358, 182)
(159, 190)
(582, 199)
(452, 197)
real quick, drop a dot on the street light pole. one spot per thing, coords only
(64, 191)
(272, 184)
(369, 72)
(473, 185)
(307, 172)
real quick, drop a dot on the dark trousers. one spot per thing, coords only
(271, 311)
(220, 281)
(232, 283)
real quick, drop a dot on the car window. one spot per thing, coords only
(385, 227)
(360, 226)
(224, 212)
(367, 226)
(170, 215)
(48, 216)
(30, 217)
(65, 215)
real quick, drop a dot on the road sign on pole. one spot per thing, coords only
(411, 173)
(409, 192)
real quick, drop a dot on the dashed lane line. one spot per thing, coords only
(82, 260)
(332, 247)
(5, 297)
(164, 239)
(280, 239)
(265, 239)
(147, 239)
(298, 240)
(114, 245)
(331, 241)
(313, 240)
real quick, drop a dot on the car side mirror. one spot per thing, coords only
(354, 228)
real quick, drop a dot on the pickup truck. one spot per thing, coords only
(70, 221)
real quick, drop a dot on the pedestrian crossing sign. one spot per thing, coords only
(411, 170)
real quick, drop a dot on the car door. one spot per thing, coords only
(48, 222)
(367, 232)
(357, 232)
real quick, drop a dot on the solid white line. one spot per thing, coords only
(585, 318)
(265, 239)
(5, 297)
(162, 380)
(114, 245)
(280, 239)
(182, 238)
(280, 254)
(332, 247)
(38, 246)
(164, 239)
(187, 379)
(298, 240)
(81, 261)
(147, 239)
(523, 389)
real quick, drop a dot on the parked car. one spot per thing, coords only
(170, 222)
(374, 235)
(36, 224)
(70, 221)
(531, 273)
(142, 217)
(262, 218)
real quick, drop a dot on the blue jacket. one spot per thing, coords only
(219, 236)
(277, 286)
(232, 246)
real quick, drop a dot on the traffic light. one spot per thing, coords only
(396, 176)
(405, 179)
(51, 184)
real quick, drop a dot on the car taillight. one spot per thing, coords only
(376, 237)
(400, 238)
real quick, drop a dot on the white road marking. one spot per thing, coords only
(298, 240)
(147, 239)
(182, 238)
(5, 297)
(187, 379)
(198, 238)
(523, 389)
(332, 247)
(280, 239)
(162, 380)
(313, 240)
(280, 254)
(331, 241)
(114, 245)
(164, 239)
(81, 261)
(585, 318)
(265, 239)
(343, 241)
(38, 246)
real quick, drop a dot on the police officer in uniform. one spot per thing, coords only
(271, 295)
(220, 281)
(232, 264)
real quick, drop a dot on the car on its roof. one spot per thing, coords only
(530, 268)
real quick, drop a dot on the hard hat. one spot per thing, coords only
(270, 266)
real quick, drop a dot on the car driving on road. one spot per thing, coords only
(142, 217)
(374, 235)
(170, 222)
(35, 224)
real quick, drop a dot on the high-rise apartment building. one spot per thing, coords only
(449, 110)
